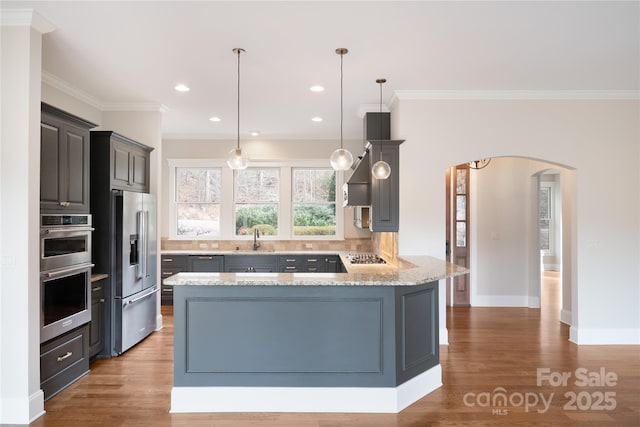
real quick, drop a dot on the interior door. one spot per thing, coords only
(457, 228)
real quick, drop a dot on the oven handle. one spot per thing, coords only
(66, 230)
(67, 271)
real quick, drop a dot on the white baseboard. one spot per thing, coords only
(565, 317)
(159, 323)
(534, 302)
(444, 336)
(22, 411)
(602, 336)
(306, 399)
(501, 301)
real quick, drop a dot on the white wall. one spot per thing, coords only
(597, 138)
(21, 399)
(257, 150)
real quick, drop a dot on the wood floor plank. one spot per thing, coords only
(489, 348)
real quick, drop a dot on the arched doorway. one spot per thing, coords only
(505, 261)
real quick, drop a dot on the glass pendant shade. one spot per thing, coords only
(236, 160)
(341, 159)
(381, 170)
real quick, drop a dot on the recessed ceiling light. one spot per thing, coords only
(182, 88)
(316, 119)
(215, 119)
(254, 133)
(316, 88)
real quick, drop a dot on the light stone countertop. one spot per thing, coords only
(410, 270)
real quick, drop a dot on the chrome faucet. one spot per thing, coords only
(256, 236)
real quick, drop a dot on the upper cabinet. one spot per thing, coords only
(64, 162)
(385, 203)
(123, 161)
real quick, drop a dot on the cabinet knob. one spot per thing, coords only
(65, 204)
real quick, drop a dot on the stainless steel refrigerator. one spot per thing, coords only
(135, 290)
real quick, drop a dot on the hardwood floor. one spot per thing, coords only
(489, 348)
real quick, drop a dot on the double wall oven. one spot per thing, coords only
(65, 273)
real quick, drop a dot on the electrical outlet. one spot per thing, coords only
(203, 246)
(214, 246)
(308, 245)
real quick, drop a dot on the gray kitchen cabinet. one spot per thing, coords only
(127, 160)
(64, 161)
(96, 327)
(250, 263)
(63, 360)
(206, 263)
(300, 263)
(332, 264)
(385, 210)
(170, 265)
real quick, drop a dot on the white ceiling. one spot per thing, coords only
(134, 53)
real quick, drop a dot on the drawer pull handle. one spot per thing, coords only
(205, 257)
(167, 273)
(312, 260)
(167, 290)
(291, 260)
(96, 289)
(167, 259)
(66, 356)
(290, 268)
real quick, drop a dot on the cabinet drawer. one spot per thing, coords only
(174, 261)
(62, 353)
(290, 263)
(166, 295)
(166, 272)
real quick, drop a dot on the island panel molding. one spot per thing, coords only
(330, 336)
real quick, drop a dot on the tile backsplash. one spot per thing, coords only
(355, 245)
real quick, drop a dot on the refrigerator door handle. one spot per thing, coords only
(133, 301)
(141, 239)
(145, 243)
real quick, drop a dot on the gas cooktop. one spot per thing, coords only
(365, 259)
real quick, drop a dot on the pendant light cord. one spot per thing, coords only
(238, 139)
(341, 101)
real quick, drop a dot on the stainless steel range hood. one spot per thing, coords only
(357, 189)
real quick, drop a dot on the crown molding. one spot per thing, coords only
(417, 95)
(65, 87)
(135, 106)
(26, 18)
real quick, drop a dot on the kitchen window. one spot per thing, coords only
(197, 201)
(293, 200)
(256, 195)
(313, 193)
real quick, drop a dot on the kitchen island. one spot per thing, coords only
(361, 341)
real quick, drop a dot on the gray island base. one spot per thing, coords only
(327, 342)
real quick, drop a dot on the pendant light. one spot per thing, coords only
(341, 159)
(381, 169)
(235, 159)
